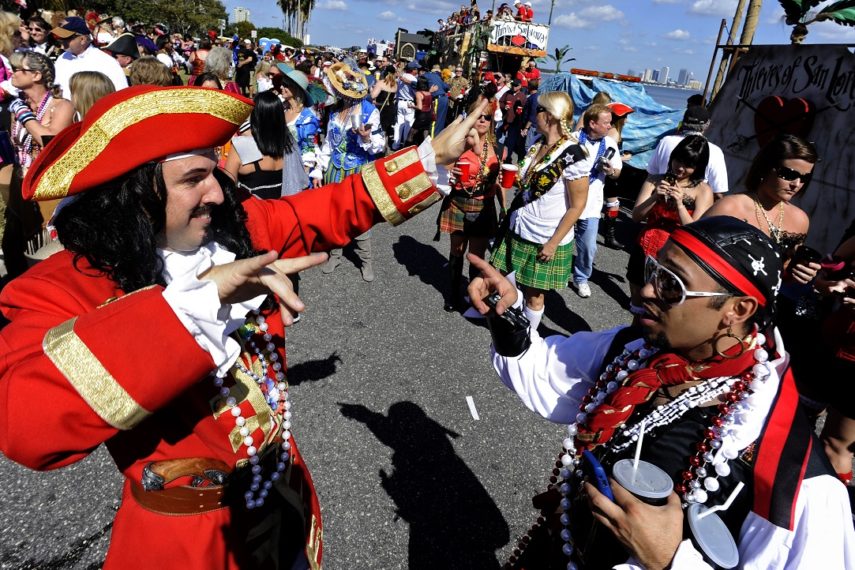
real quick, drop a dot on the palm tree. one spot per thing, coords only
(559, 58)
(798, 14)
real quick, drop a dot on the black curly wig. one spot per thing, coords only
(115, 226)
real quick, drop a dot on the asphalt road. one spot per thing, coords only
(407, 477)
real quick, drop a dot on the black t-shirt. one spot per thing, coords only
(244, 71)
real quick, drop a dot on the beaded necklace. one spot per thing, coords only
(483, 170)
(275, 389)
(709, 458)
(774, 229)
(25, 148)
(525, 181)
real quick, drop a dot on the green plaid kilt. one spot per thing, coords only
(530, 271)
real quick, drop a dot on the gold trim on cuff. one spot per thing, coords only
(413, 187)
(377, 191)
(402, 161)
(87, 375)
(424, 204)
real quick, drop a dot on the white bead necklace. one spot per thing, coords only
(710, 454)
(277, 396)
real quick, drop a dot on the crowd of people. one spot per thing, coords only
(204, 233)
(465, 17)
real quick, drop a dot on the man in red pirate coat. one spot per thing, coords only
(159, 330)
(704, 383)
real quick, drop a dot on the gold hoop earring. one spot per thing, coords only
(729, 334)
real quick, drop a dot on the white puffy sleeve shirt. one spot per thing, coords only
(538, 220)
(555, 373)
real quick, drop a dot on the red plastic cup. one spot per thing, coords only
(509, 175)
(464, 169)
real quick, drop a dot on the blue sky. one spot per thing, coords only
(613, 35)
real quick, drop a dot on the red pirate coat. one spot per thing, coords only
(122, 370)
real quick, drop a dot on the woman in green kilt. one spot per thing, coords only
(552, 190)
(468, 214)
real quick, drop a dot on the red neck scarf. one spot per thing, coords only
(639, 387)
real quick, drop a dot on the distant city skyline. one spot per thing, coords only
(611, 36)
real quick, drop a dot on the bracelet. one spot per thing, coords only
(26, 117)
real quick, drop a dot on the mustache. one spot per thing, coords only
(203, 210)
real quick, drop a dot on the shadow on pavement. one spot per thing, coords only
(423, 261)
(559, 313)
(453, 522)
(607, 282)
(313, 370)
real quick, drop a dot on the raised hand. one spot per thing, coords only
(451, 142)
(491, 281)
(244, 279)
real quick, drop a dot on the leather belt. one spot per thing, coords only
(179, 501)
(183, 500)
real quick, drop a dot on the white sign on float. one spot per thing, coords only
(536, 35)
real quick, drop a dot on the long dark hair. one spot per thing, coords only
(267, 123)
(115, 226)
(692, 152)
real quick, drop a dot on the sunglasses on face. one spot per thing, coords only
(24, 69)
(540, 109)
(789, 174)
(487, 118)
(668, 287)
(35, 29)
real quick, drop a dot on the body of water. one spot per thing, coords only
(669, 96)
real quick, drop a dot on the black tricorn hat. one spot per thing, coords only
(126, 44)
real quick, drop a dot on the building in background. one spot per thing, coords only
(240, 15)
(663, 75)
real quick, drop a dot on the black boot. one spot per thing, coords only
(453, 300)
(609, 232)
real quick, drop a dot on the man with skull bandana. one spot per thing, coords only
(707, 375)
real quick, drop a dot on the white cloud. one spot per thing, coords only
(831, 31)
(443, 9)
(387, 15)
(714, 7)
(677, 34)
(338, 5)
(570, 20)
(606, 13)
(588, 17)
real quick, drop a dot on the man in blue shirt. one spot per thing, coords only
(439, 89)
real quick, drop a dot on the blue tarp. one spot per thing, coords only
(643, 129)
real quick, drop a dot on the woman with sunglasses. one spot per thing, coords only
(780, 170)
(37, 116)
(537, 240)
(468, 213)
(666, 202)
(39, 38)
(303, 124)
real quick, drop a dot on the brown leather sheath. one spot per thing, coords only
(183, 500)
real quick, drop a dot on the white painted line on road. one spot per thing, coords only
(472, 409)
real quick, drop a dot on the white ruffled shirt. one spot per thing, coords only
(555, 373)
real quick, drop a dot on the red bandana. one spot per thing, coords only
(662, 370)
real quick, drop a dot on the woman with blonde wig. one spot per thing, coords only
(552, 188)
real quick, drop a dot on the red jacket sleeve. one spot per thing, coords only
(73, 374)
(394, 189)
